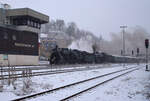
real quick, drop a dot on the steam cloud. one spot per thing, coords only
(70, 36)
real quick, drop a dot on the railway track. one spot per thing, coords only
(44, 73)
(94, 86)
(49, 72)
(116, 73)
(5, 69)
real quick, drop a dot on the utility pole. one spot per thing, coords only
(123, 32)
(100, 47)
(138, 51)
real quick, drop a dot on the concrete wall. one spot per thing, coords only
(27, 28)
(2, 16)
(15, 60)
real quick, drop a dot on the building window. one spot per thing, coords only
(32, 23)
(28, 23)
(15, 22)
(24, 21)
(14, 37)
(39, 25)
(5, 35)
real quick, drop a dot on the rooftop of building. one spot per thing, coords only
(24, 19)
(27, 12)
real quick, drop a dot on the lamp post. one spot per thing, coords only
(123, 32)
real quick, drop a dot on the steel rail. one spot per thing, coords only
(46, 73)
(78, 93)
(42, 68)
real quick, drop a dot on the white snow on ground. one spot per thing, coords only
(60, 94)
(43, 62)
(41, 83)
(132, 87)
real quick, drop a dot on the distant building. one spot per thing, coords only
(19, 31)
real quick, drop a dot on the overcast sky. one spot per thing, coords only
(98, 16)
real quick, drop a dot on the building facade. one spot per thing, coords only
(19, 31)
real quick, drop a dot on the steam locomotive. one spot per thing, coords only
(69, 56)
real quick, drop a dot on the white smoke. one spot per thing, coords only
(83, 44)
(133, 40)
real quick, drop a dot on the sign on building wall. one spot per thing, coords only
(17, 42)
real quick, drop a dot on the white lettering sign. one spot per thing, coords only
(24, 45)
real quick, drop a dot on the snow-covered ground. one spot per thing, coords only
(43, 62)
(132, 87)
(117, 89)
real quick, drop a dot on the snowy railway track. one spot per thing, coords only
(78, 93)
(5, 69)
(49, 72)
(115, 75)
(45, 73)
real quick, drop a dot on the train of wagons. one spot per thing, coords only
(69, 56)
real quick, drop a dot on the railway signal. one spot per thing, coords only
(146, 45)
(132, 52)
(121, 52)
(138, 51)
